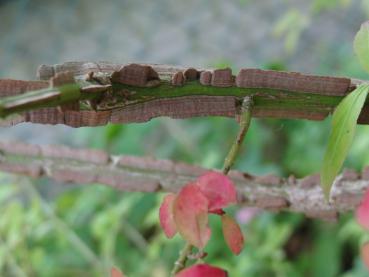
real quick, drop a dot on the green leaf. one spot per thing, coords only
(342, 133)
(361, 45)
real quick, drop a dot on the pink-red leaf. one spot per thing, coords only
(190, 211)
(232, 234)
(218, 189)
(365, 254)
(362, 212)
(115, 272)
(202, 270)
(166, 215)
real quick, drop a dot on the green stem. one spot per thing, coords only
(48, 97)
(245, 119)
(182, 259)
(38, 99)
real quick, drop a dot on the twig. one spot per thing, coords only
(245, 119)
(182, 259)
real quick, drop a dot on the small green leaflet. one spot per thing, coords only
(342, 133)
(361, 45)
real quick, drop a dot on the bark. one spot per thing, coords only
(129, 173)
(138, 93)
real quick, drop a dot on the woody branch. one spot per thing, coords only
(91, 94)
(128, 173)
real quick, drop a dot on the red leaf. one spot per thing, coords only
(166, 215)
(190, 212)
(362, 212)
(115, 272)
(202, 270)
(218, 189)
(365, 254)
(232, 234)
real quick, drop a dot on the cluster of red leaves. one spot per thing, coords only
(187, 213)
(362, 217)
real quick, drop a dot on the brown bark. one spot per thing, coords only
(129, 173)
(278, 94)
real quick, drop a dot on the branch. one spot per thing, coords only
(245, 120)
(129, 173)
(137, 93)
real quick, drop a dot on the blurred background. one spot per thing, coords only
(51, 229)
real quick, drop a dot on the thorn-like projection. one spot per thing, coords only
(136, 75)
(178, 79)
(191, 74)
(222, 78)
(205, 78)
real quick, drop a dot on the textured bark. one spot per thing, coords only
(9, 87)
(129, 173)
(139, 93)
(256, 78)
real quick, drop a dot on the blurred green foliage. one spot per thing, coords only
(84, 230)
(290, 25)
